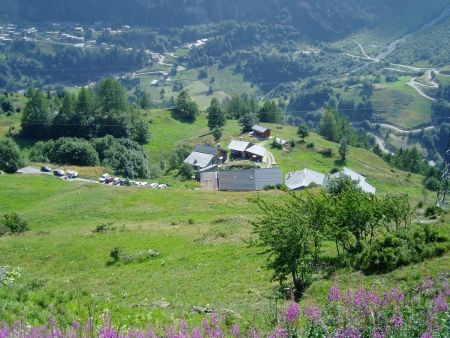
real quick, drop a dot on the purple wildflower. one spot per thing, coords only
(184, 328)
(428, 284)
(279, 333)
(397, 322)
(313, 313)
(426, 334)
(76, 325)
(348, 297)
(446, 289)
(334, 294)
(196, 333)
(292, 312)
(377, 334)
(439, 304)
(373, 297)
(349, 332)
(235, 330)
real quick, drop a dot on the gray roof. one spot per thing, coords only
(205, 149)
(249, 179)
(257, 150)
(238, 145)
(354, 176)
(303, 179)
(259, 129)
(199, 160)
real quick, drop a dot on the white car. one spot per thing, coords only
(154, 185)
(105, 176)
(116, 181)
(102, 179)
(162, 186)
(72, 174)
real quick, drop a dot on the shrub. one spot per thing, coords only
(401, 248)
(115, 254)
(10, 158)
(73, 151)
(327, 152)
(186, 171)
(104, 227)
(310, 145)
(432, 183)
(40, 151)
(14, 224)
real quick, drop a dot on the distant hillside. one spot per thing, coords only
(320, 19)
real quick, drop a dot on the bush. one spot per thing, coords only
(327, 152)
(399, 249)
(432, 183)
(73, 151)
(115, 254)
(40, 151)
(14, 224)
(104, 227)
(186, 171)
(10, 158)
(310, 145)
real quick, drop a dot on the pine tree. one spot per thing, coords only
(216, 115)
(328, 126)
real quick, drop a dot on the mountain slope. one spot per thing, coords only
(318, 19)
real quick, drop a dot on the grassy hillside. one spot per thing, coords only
(201, 236)
(399, 103)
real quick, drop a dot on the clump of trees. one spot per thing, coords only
(185, 107)
(126, 157)
(371, 234)
(91, 113)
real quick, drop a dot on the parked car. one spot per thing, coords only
(153, 185)
(101, 179)
(134, 183)
(162, 186)
(116, 181)
(59, 172)
(72, 174)
(46, 169)
(109, 179)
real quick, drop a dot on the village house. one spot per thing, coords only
(354, 176)
(256, 153)
(204, 156)
(303, 179)
(238, 148)
(260, 131)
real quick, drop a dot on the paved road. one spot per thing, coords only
(35, 171)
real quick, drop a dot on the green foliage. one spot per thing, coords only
(178, 156)
(303, 132)
(216, 115)
(398, 249)
(247, 121)
(185, 107)
(115, 254)
(140, 132)
(328, 126)
(217, 133)
(14, 224)
(104, 227)
(36, 119)
(343, 149)
(270, 113)
(287, 240)
(432, 183)
(10, 157)
(72, 151)
(186, 171)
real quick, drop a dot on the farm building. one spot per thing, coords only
(354, 176)
(256, 152)
(238, 148)
(261, 131)
(208, 178)
(249, 179)
(204, 156)
(303, 179)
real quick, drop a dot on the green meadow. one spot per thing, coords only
(202, 237)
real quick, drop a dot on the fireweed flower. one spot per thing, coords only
(349, 332)
(279, 333)
(427, 334)
(235, 330)
(439, 304)
(397, 322)
(312, 313)
(334, 294)
(377, 334)
(196, 333)
(76, 325)
(292, 312)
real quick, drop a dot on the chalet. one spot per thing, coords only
(260, 131)
(256, 152)
(354, 176)
(238, 148)
(303, 179)
(204, 156)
